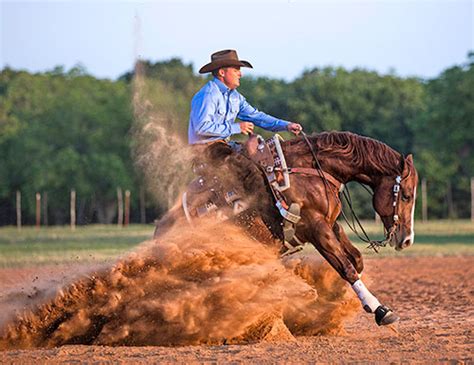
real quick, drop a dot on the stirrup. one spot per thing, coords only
(292, 251)
(292, 217)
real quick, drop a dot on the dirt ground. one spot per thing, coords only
(433, 296)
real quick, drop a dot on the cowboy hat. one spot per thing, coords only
(225, 58)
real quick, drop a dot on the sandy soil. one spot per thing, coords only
(433, 295)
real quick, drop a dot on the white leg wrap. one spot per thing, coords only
(365, 296)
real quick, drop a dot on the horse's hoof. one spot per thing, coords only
(384, 316)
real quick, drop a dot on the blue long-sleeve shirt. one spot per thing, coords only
(213, 112)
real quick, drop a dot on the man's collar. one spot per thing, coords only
(222, 87)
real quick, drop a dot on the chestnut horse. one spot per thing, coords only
(346, 157)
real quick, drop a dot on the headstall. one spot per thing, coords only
(391, 230)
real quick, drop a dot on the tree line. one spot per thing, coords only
(65, 129)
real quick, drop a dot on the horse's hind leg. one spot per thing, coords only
(353, 254)
(167, 221)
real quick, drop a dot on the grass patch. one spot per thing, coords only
(104, 243)
(55, 245)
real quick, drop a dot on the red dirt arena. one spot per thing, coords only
(432, 295)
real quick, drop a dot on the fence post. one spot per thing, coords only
(170, 196)
(18, 209)
(142, 205)
(449, 198)
(45, 209)
(377, 218)
(127, 208)
(73, 209)
(120, 207)
(424, 201)
(472, 199)
(38, 210)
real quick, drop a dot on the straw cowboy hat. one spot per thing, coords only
(225, 58)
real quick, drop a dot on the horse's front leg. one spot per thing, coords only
(326, 242)
(352, 252)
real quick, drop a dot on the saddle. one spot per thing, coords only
(207, 195)
(211, 198)
(216, 195)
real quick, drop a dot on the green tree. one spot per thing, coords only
(445, 140)
(72, 133)
(363, 102)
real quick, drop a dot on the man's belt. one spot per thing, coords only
(226, 140)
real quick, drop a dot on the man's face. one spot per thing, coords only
(231, 76)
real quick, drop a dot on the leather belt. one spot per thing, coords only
(212, 142)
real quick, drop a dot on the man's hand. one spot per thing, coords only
(294, 128)
(246, 127)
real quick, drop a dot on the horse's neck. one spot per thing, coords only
(357, 166)
(351, 162)
(365, 171)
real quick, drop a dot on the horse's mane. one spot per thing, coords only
(364, 152)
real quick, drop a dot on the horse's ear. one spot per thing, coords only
(407, 166)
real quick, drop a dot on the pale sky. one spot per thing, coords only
(280, 38)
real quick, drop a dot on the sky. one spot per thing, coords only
(280, 38)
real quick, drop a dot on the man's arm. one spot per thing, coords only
(248, 113)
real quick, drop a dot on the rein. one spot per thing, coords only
(373, 244)
(355, 219)
(319, 169)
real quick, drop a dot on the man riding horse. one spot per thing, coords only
(214, 109)
(319, 166)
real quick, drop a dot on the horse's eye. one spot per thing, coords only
(405, 197)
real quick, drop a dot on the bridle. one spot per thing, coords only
(396, 198)
(373, 244)
(395, 218)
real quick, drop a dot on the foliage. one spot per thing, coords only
(445, 139)
(72, 132)
(382, 107)
(95, 244)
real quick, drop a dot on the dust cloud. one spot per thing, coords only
(214, 285)
(160, 154)
(23, 289)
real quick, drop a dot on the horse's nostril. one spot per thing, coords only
(406, 242)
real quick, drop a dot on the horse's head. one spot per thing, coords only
(394, 200)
